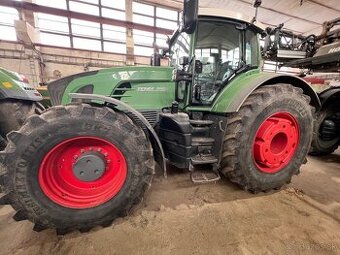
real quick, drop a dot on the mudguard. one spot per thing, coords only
(233, 95)
(157, 146)
(328, 94)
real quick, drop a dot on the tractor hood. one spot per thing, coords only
(140, 87)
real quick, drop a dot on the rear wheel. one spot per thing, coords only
(76, 167)
(268, 139)
(326, 135)
(13, 114)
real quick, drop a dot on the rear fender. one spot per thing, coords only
(329, 95)
(235, 94)
(156, 144)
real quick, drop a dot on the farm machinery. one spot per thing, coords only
(18, 100)
(316, 54)
(90, 157)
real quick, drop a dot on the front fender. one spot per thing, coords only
(123, 106)
(238, 90)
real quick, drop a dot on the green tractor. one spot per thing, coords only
(90, 158)
(18, 100)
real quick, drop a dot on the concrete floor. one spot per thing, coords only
(178, 217)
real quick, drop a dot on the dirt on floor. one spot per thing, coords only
(178, 217)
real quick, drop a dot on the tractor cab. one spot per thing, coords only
(218, 47)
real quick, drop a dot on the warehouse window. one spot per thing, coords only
(84, 8)
(143, 51)
(7, 18)
(143, 38)
(85, 28)
(87, 44)
(166, 18)
(120, 4)
(114, 33)
(52, 23)
(153, 16)
(55, 40)
(89, 35)
(166, 13)
(115, 47)
(143, 9)
(141, 19)
(166, 24)
(94, 2)
(113, 14)
(60, 4)
(161, 40)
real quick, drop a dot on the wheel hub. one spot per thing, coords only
(82, 172)
(276, 142)
(90, 166)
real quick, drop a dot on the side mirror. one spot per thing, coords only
(184, 61)
(198, 67)
(190, 14)
(257, 3)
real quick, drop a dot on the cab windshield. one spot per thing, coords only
(222, 48)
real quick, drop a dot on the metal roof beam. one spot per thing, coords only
(71, 14)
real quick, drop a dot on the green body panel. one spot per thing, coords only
(12, 86)
(151, 87)
(233, 90)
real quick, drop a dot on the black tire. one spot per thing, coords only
(27, 147)
(13, 114)
(238, 160)
(319, 146)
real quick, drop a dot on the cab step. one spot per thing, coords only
(202, 141)
(201, 122)
(202, 159)
(204, 176)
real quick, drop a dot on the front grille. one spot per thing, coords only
(151, 116)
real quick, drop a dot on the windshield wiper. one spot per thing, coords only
(243, 68)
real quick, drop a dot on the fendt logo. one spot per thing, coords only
(337, 49)
(152, 89)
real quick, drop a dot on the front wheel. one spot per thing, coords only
(13, 114)
(267, 141)
(76, 167)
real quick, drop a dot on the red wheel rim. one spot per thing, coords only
(59, 182)
(276, 142)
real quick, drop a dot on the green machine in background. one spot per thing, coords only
(96, 147)
(18, 100)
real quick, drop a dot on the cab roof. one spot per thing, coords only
(220, 13)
